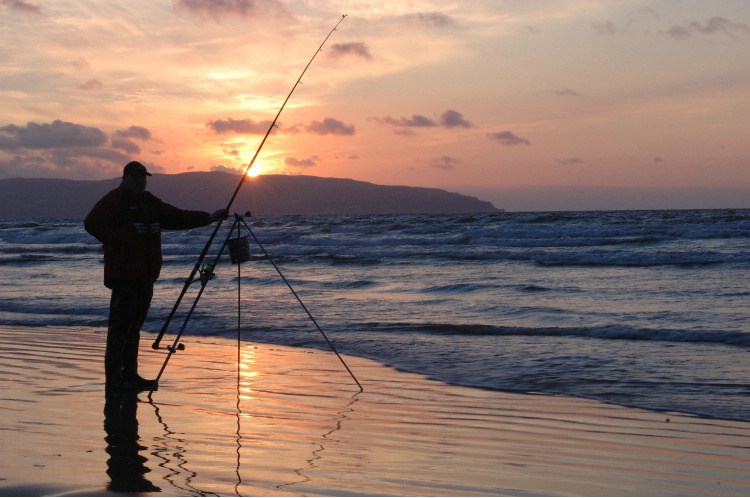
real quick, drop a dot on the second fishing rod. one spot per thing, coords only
(204, 252)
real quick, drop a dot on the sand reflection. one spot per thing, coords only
(318, 447)
(171, 449)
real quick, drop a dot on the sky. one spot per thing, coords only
(532, 105)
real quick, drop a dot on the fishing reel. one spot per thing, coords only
(206, 273)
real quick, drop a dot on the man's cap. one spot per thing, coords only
(136, 169)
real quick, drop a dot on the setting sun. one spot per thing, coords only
(255, 170)
(265, 166)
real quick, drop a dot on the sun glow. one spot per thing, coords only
(265, 167)
(255, 170)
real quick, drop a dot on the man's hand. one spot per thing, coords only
(221, 214)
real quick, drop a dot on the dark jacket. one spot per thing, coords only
(129, 226)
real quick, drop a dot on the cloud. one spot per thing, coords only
(454, 119)
(227, 169)
(242, 126)
(330, 126)
(431, 19)
(719, 25)
(123, 139)
(604, 28)
(21, 6)
(49, 136)
(715, 25)
(219, 9)
(508, 138)
(570, 161)
(444, 162)
(449, 119)
(358, 49)
(231, 151)
(678, 32)
(137, 132)
(66, 150)
(565, 92)
(416, 121)
(609, 28)
(301, 163)
(126, 146)
(92, 85)
(80, 64)
(75, 162)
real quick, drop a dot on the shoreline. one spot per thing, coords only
(296, 424)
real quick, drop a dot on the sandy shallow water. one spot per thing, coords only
(296, 424)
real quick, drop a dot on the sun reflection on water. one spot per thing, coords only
(247, 373)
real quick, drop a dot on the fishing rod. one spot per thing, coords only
(203, 253)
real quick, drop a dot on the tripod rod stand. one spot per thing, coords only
(207, 273)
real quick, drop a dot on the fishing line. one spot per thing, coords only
(239, 364)
(205, 250)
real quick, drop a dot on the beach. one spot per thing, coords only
(295, 423)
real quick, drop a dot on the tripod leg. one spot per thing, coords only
(330, 344)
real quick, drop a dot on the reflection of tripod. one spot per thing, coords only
(239, 252)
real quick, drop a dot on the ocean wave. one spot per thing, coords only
(357, 284)
(25, 259)
(693, 260)
(534, 288)
(648, 238)
(457, 288)
(611, 332)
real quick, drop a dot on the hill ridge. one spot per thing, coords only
(262, 195)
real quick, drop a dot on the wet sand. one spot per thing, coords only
(296, 424)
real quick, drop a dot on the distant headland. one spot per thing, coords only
(263, 196)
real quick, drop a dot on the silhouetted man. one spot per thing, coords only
(128, 221)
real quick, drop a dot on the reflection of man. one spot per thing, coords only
(128, 221)
(125, 467)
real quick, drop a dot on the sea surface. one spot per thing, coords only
(637, 308)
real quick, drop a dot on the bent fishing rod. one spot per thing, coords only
(206, 248)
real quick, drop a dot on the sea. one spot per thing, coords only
(644, 309)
